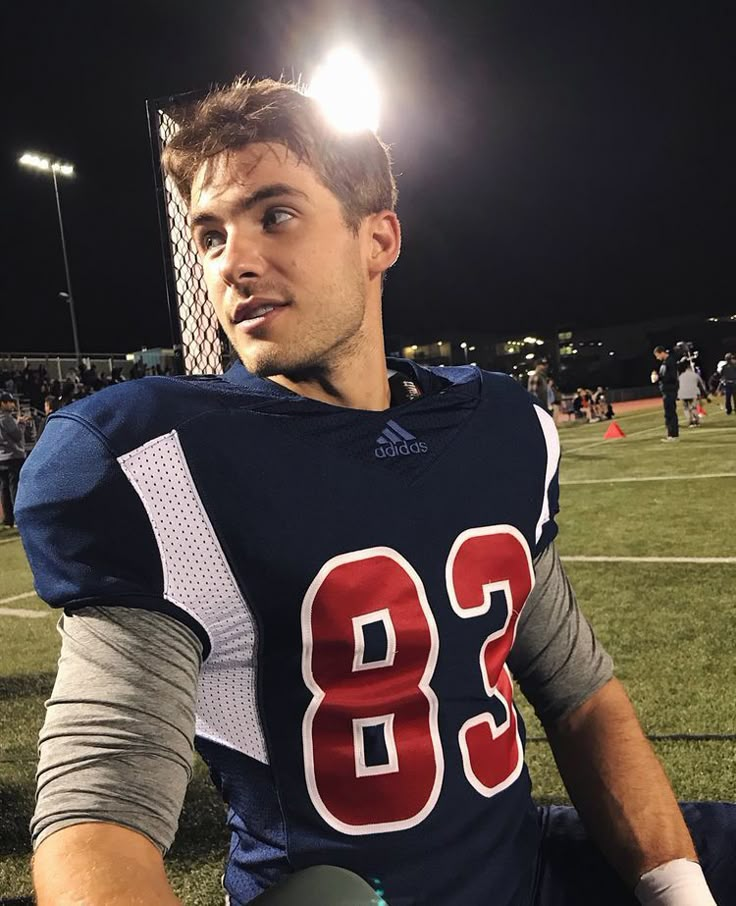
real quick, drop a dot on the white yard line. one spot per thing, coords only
(10, 540)
(26, 614)
(26, 594)
(648, 478)
(584, 559)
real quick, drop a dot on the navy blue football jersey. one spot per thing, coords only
(355, 578)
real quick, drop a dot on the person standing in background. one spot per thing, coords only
(554, 400)
(728, 381)
(667, 377)
(12, 455)
(538, 383)
(691, 386)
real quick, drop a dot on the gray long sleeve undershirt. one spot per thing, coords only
(117, 742)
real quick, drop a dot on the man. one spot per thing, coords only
(728, 381)
(537, 384)
(348, 662)
(12, 455)
(667, 377)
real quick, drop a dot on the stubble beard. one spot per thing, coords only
(318, 352)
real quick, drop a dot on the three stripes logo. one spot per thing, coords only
(396, 441)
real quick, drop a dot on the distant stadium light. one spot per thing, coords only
(529, 355)
(347, 91)
(55, 168)
(43, 163)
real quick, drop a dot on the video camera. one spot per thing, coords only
(684, 351)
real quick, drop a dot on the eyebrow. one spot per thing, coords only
(273, 190)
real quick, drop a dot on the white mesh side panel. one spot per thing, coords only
(198, 579)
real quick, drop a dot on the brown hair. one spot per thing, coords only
(356, 168)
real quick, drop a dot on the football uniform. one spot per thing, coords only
(355, 580)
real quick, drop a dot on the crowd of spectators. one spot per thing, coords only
(35, 385)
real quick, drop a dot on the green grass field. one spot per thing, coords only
(669, 626)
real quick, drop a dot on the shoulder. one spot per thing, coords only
(128, 415)
(494, 382)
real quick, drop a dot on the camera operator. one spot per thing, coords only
(667, 377)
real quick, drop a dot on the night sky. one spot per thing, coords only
(559, 163)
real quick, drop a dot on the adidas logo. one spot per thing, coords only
(395, 441)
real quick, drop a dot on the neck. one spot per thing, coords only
(355, 378)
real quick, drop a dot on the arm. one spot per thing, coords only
(618, 785)
(115, 758)
(607, 765)
(102, 864)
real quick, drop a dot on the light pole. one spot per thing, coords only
(56, 167)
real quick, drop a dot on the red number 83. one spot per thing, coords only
(358, 698)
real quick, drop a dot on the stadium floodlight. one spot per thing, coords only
(44, 163)
(347, 91)
(56, 168)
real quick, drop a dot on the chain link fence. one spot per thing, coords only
(201, 344)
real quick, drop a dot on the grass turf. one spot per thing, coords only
(668, 626)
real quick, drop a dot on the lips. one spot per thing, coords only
(254, 307)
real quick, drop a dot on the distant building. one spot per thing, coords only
(164, 358)
(615, 356)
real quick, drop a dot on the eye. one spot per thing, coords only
(211, 239)
(274, 217)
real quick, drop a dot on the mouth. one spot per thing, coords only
(253, 312)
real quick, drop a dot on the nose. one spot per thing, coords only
(241, 259)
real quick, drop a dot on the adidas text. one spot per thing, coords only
(405, 448)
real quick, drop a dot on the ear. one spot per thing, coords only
(384, 238)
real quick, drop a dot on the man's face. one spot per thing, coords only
(661, 356)
(287, 276)
(7, 406)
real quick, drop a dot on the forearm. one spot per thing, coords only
(618, 786)
(100, 865)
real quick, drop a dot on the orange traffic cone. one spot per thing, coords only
(613, 431)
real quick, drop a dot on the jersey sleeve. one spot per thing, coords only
(85, 531)
(556, 658)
